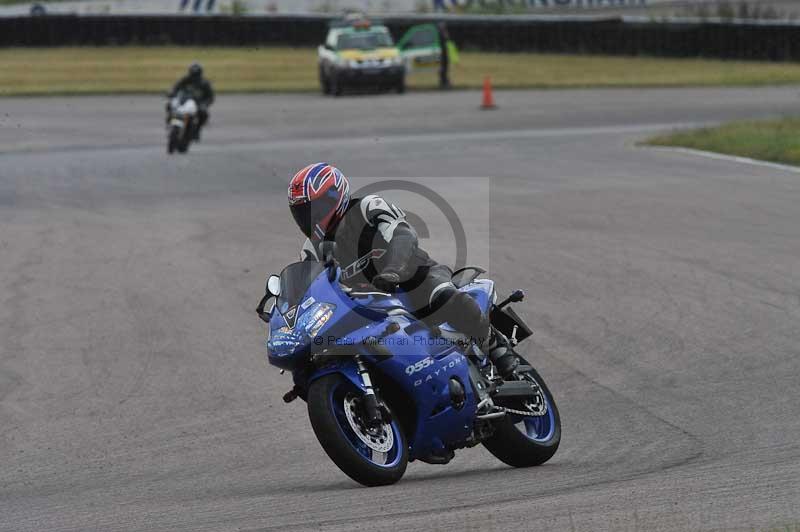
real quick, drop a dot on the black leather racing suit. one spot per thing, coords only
(374, 237)
(201, 91)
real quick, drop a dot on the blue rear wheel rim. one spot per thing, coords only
(539, 429)
(390, 458)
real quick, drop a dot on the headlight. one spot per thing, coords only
(312, 320)
(283, 342)
(352, 63)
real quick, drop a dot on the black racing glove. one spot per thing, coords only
(386, 282)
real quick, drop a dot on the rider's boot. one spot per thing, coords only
(500, 352)
(463, 312)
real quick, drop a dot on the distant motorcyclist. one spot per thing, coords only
(200, 89)
(376, 246)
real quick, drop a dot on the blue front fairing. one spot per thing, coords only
(290, 343)
(417, 363)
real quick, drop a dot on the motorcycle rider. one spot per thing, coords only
(200, 89)
(376, 246)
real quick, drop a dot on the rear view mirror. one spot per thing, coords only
(273, 290)
(274, 285)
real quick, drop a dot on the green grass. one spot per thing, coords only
(13, 2)
(153, 69)
(786, 528)
(768, 140)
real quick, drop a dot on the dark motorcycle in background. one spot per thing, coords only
(183, 121)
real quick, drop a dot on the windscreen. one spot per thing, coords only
(184, 95)
(295, 279)
(363, 41)
(422, 38)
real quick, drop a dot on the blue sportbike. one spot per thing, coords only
(384, 388)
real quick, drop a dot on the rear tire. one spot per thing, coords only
(328, 397)
(510, 445)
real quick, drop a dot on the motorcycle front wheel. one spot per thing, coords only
(527, 440)
(173, 139)
(372, 457)
(183, 142)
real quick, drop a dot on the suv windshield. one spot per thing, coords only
(363, 40)
(295, 279)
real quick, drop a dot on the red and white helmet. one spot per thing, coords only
(318, 198)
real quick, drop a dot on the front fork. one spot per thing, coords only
(372, 407)
(375, 411)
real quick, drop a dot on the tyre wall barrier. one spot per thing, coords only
(615, 36)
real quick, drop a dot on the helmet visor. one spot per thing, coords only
(309, 214)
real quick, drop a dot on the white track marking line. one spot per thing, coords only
(729, 158)
(445, 136)
(480, 135)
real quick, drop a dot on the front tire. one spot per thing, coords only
(370, 459)
(184, 140)
(173, 139)
(525, 441)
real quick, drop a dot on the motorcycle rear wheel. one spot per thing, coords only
(370, 459)
(526, 441)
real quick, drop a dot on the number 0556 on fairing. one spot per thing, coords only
(384, 388)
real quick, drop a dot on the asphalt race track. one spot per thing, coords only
(663, 287)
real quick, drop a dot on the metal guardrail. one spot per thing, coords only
(738, 39)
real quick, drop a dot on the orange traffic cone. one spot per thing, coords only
(488, 99)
